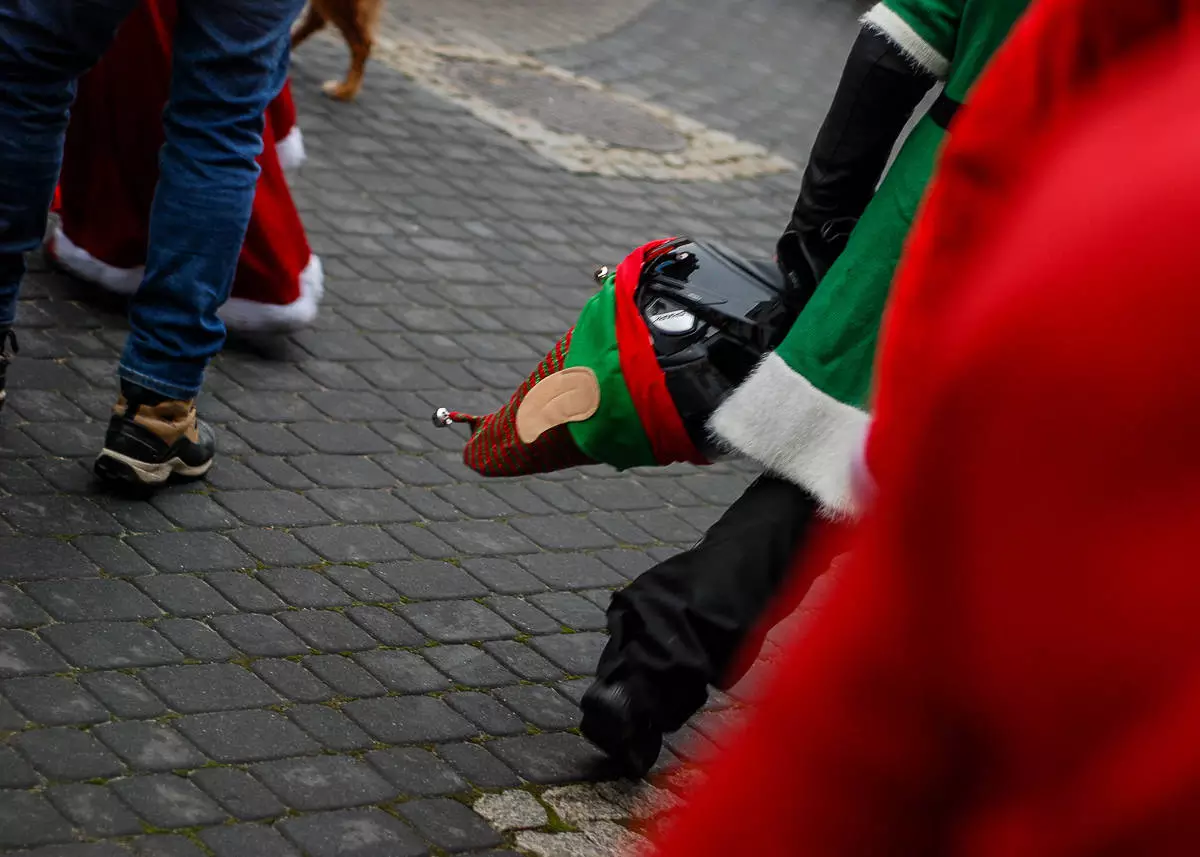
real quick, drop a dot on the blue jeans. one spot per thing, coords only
(229, 61)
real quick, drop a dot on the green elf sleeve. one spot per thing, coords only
(926, 30)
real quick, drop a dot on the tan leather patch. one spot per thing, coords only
(569, 396)
(169, 420)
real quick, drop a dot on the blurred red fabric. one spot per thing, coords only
(1010, 662)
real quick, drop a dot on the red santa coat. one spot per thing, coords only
(1010, 664)
(110, 168)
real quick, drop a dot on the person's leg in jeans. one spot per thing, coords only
(229, 62)
(45, 45)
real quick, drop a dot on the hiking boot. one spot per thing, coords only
(150, 439)
(8, 347)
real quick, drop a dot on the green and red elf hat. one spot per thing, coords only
(598, 396)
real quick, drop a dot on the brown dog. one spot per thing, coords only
(356, 20)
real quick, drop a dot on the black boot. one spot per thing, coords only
(680, 626)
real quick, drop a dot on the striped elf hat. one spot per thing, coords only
(598, 396)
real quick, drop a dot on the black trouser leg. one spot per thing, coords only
(876, 95)
(680, 626)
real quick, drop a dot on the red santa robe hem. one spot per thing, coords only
(1002, 671)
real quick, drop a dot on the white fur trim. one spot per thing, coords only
(291, 149)
(883, 20)
(780, 420)
(248, 316)
(75, 260)
(238, 314)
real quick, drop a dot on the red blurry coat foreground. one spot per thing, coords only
(1010, 664)
(110, 169)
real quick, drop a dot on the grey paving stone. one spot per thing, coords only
(353, 833)
(304, 588)
(430, 580)
(53, 701)
(21, 653)
(291, 680)
(112, 555)
(259, 635)
(245, 736)
(630, 564)
(352, 543)
(479, 766)
(10, 719)
(421, 541)
(541, 706)
(341, 438)
(15, 772)
(360, 583)
(28, 819)
(185, 595)
(427, 504)
(165, 845)
(193, 511)
(209, 687)
(571, 610)
(503, 576)
(234, 476)
(474, 501)
(386, 626)
(483, 537)
(94, 809)
(550, 758)
(414, 470)
(327, 631)
(324, 782)
(67, 754)
(344, 675)
(456, 621)
(487, 713)
(18, 610)
(149, 746)
(416, 772)
(620, 528)
(47, 515)
(274, 547)
(615, 495)
(241, 840)
(270, 439)
(191, 551)
(329, 726)
(571, 571)
(166, 800)
(557, 496)
(271, 407)
(402, 671)
(245, 592)
(343, 471)
(449, 824)
(523, 615)
(238, 793)
(111, 645)
(271, 508)
(469, 666)
(195, 639)
(362, 506)
(122, 694)
(409, 719)
(575, 653)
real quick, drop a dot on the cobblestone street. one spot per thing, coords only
(345, 643)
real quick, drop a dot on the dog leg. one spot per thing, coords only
(313, 21)
(357, 25)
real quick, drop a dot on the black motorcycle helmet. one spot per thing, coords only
(711, 315)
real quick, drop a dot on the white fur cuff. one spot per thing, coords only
(780, 420)
(884, 20)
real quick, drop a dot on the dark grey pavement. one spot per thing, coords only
(345, 638)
